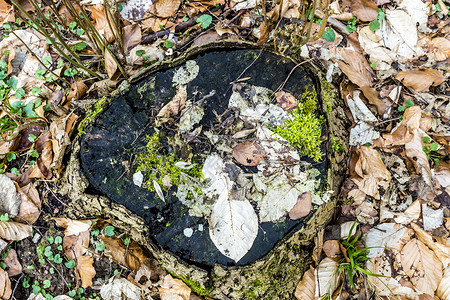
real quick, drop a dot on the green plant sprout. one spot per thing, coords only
(431, 147)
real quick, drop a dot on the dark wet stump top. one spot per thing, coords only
(108, 149)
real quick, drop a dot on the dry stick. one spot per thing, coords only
(15, 286)
(178, 28)
(42, 30)
(111, 15)
(40, 61)
(56, 269)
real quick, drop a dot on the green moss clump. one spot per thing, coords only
(196, 286)
(156, 165)
(327, 94)
(98, 108)
(303, 130)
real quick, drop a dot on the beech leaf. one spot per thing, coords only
(13, 231)
(249, 153)
(421, 80)
(306, 288)
(327, 277)
(235, 227)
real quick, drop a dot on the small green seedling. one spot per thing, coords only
(351, 25)
(204, 20)
(430, 147)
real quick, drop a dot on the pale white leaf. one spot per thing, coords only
(9, 198)
(13, 231)
(418, 10)
(158, 191)
(184, 165)
(327, 277)
(382, 235)
(73, 227)
(245, 4)
(364, 131)
(138, 178)
(186, 73)
(432, 218)
(190, 116)
(347, 227)
(119, 288)
(235, 227)
(173, 289)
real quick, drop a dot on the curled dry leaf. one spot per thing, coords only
(443, 290)
(111, 65)
(302, 207)
(117, 251)
(175, 105)
(13, 265)
(286, 100)
(13, 231)
(77, 91)
(28, 210)
(85, 270)
(441, 49)
(131, 36)
(173, 289)
(5, 285)
(327, 277)
(75, 245)
(73, 227)
(249, 153)
(120, 288)
(306, 287)
(331, 248)
(442, 251)
(61, 129)
(421, 80)
(422, 266)
(101, 22)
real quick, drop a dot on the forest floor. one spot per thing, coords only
(390, 237)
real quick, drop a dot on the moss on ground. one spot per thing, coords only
(98, 108)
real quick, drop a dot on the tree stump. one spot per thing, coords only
(115, 136)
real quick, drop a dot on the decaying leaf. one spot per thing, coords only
(117, 251)
(442, 251)
(173, 289)
(234, 227)
(75, 245)
(443, 290)
(13, 265)
(13, 231)
(111, 65)
(164, 8)
(302, 207)
(73, 227)
(176, 105)
(131, 36)
(331, 248)
(77, 91)
(383, 235)
(421, 80)
(249, 153)
(422, 266)
(9, 198)
(120, 288)
(28, 210)
(327, 277)
(100, 22)
(306, 288)
(364, 10)
(286, 100)
(5, 285)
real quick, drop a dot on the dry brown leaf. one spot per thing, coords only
(42, 168)
(5, 285)
(146, 274)
(103, 87)
(6, 12)
(28, 210)
(422, 266)
(77, 91)
(164, 8)
(100, 22)
(420, 80)
(131, 36)
(306, 287)
(368, 171)
(111, 66)
(286, 100)
(85, 270)
(75, 245)
(13, 265)
(382, 266)
(249, 153)
(174, 106)
(364, 10)
(13, 231)
(173, 289)
(441, 48)
(61, 129)
(302, 207)
(73, 227)
(442, 252)
(331, 248)
(117, 251)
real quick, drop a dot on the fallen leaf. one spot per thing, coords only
(10, 199)
(111, 66)
(331, 248)
(422, 266)
(75, 245)
(286, 100)
(306, 287)
(120, 288)
(235, 227)
(77, 91)
(61, 129)
(443, 290)
(176, 105)
(6, 12)
(85, 270)
(173, 289)
(442, 251)
(13, 231)
(28, 210)
(5, 285)
(164, 8)
(149, 271)
(131, 36)
(421, 80)
(73, 227)
(382, 235)
(381, 265)
(100, 22)
(249, 153)
(302, 207)
(441, 48)
(103, 87)
(364, 10)
(117, 251)
(327, 277)
(13, 265)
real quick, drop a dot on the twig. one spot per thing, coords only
(15, 286)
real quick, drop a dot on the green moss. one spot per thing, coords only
(98, 108)
(304, 129)
(156, 165)
(195, 286)
(327, 94)
(337, 146)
